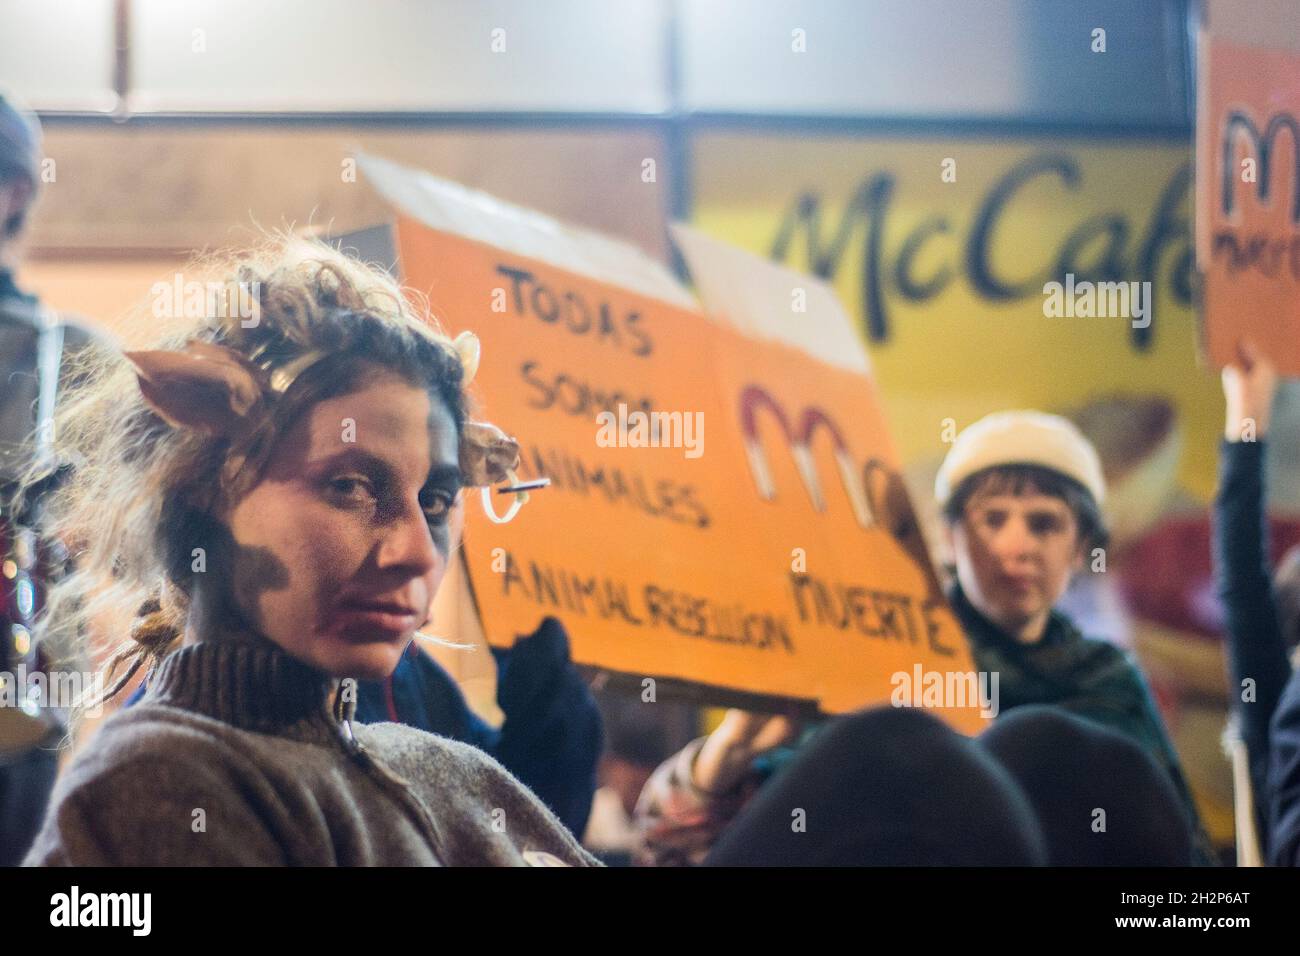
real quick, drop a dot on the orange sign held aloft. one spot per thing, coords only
(725, 509)
(1248, 199)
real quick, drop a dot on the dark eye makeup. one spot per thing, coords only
(437, 504)
(372, 485)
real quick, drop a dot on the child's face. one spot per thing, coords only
(351, 517)
(1015, 554)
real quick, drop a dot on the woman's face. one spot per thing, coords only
(351, 517)
(1015, 554)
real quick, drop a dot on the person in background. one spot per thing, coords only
(1260, 617)
(1021, 494)
(639, 736)
(1072, 769)
(695, 795)
(898, 787)
(36, 361)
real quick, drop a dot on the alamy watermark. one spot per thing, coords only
(948, 689)
(30, 691)
(640, 429)
(207, 300)
(1102, 300)
(133, 911)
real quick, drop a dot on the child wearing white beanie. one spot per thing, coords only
(1021, 493)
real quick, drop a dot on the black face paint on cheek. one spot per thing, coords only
(441, 533)
(226, 577)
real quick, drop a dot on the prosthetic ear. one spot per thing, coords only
(467, 347)
(204, 386)
(487, 454)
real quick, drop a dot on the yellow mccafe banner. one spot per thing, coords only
(941, 248)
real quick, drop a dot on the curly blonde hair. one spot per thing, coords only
(137, 482)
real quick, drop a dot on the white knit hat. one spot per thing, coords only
(1021, 438)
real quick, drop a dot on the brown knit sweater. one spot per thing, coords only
(234, 756)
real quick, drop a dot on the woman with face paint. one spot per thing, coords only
(274, 493)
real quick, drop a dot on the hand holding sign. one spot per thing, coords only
(1249, 386)
(729, 751)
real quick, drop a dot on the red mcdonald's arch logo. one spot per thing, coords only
(755, 398)
(877, 492)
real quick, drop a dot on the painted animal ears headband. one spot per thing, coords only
(214, 389)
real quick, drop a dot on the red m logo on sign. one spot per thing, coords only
(755, 398)
(877, 492)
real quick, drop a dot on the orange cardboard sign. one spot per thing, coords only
(754, 538)
(1248, 200)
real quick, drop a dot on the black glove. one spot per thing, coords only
(553, 734)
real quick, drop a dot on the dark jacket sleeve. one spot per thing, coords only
(553, 733)
(1256, 648)
(1283, 792)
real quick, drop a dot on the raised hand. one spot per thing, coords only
(1249, 385)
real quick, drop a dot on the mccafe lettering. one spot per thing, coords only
(1114, 246)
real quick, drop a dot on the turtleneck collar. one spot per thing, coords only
(255, 686)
